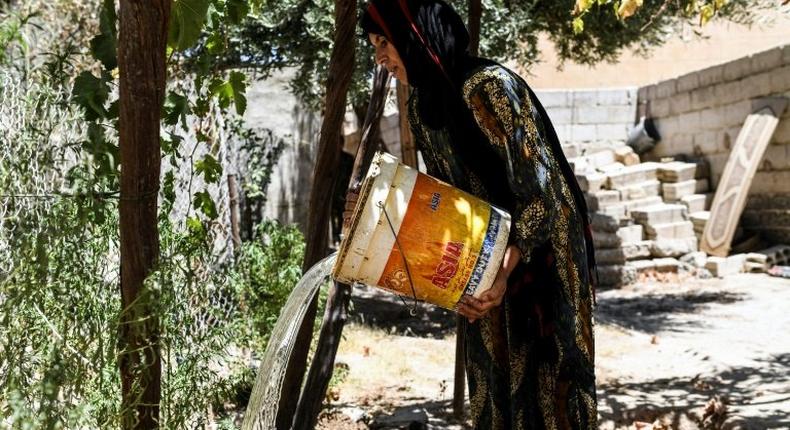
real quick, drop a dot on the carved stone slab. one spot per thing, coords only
(738, 174)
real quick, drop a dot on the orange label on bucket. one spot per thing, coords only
(442, 235)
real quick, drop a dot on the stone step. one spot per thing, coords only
(640, 190)
(630, 175)
(776, 255)
(604, 223)
(659, 214)
(590, 181)
(666, 265)
(697, 202)
(604, 240)
(631, 205)
(673, 191)
(598, 199)
(623, 253)
(642, 266)
(673, 230)
(615, 275)
(631, 233)
(674, 247)
(676, 171)
(592, 161)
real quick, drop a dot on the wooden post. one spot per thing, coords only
(341, 64)
(408, 148)
(141, 64)
(340, 294)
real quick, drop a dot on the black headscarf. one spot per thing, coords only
(433, 43)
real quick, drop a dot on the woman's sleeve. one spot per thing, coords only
(507, 121)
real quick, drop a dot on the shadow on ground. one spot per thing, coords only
(748, 393)
(380, 309)
(651, 313)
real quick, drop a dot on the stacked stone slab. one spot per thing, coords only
(642, 211)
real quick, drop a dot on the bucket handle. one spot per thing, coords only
(412, 309)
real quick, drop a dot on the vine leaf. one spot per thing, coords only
(104, 45)
(210, 168)
(91, 93)
(186, 23)
(205, 204)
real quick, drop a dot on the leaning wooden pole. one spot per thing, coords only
(341, 65)
(141, 65)
(459, 388)
(340, 294)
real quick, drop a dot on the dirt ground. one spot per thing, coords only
(677, 354)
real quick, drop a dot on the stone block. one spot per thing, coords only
(674, 247)
(602, 198)
(604, 114)
(604, 223)
(603, 240)
(590, 182)
(776, 157)
(626, 156)
(696, 258)
(737, 69)
(694, 202)
(600, 158)
(666, 265)
(659, 108)
(704, 97)
(688, 82)
(640, 190)
(676, 171)
(564, 133)
(711, 75)
(632, 174)
(725, 266)
(630, 234)
(583, 133)
(642, 266)
(680, 103)
(616, 96)
(571, 150)
(766, 60)
(560, 115)
(780, 79)
(612, 132)
(617, 210)
(553, 98)
(609, 256)
(674, 230)
(613, 275)
(774, 182)
(637, 250)
(631, 205)
(674, 191)
(659, 214)
(611, 168)
(666, 88)
(585, 97)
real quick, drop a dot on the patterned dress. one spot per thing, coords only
(530, 363)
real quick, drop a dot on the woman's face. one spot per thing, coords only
(387, 56)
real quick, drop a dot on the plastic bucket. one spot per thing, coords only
(408, 225)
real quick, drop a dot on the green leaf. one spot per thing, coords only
(104, 45)
(205, 204)
(229, 91)
(237, 10)
(706, 13)
(238, 83)
(578, 25)
(91, 93)
(210, 168)
(169, 189)
(186, 23)
(215, 43)
(176, 107)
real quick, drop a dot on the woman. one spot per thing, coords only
(479, 127)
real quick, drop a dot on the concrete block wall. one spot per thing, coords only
(590, 120)
(701, 113)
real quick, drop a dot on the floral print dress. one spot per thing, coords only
(530, 362)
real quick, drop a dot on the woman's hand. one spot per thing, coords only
(475, 308)
(351, 203)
